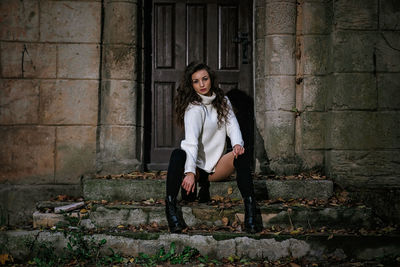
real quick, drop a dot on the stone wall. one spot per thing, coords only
(327, 88)
(68, 97)
(363, 134)
(49, 65)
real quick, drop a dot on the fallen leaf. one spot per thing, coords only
(120, 227)
(330, 236)
(230, 191)
(225, 221)
(292, 264)
(104, 202)
(62, 197)
(83, 211)
(217, 198)
(297, 231)
(5, 258)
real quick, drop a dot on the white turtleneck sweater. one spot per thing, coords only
(204, 141)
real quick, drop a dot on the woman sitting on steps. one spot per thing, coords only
(207, 117)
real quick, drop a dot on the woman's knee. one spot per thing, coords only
(178, 154)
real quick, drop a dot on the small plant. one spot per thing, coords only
(186, 256)
(44, 254)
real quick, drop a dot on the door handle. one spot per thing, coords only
(243, 39)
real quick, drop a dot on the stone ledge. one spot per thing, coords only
(137, 190)
(275, 215)
(218, 245)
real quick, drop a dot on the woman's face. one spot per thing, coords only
(201, 82)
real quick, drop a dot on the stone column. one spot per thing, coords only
(275, 88)
(312, 56)
(117, 144)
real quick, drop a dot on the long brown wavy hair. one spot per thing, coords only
(186, 94)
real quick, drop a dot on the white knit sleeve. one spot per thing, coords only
(232, 127)
(194, 118)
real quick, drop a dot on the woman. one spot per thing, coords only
(207, 117)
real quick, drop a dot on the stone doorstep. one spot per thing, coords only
(108, 216)
(218, 245)
(137, 190)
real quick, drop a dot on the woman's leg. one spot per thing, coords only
(223, 169)
(174, 181)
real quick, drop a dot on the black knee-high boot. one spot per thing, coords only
(174, 180)
(245, 185)
(204, 184)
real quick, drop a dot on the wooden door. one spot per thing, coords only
(217, 32)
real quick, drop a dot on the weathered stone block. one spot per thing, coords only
(119, 62)
(259, 3)
(279, 134)
(69, 102)
(353, 91)
(259, 63)
(260, 100)
(353, 51)
(388, 130)
(119, 102)
(28, 60)
(264, 249)
(19, 20)
(120, 20)
(313, 130)
(80, 61)
(46, 219)
(280, 17)
(351, 130)
(260, 22)
(388, 90)
(308, 189)
(280, 93)
(104, 217)
(19, 201)
(389, 15)
(72, 21)
(118, 149)
(122, 189)
(279, 55)
(315, 91)
(313, 159)
(76, 153)
(19, 101)
(356, 14)
(27, 154)
(365, 169)
(387, 52)
(315, 55)
(316, 18)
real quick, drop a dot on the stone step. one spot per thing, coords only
(137, 190)
(214, 245)
(196, 215)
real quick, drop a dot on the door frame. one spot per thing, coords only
(147, 75)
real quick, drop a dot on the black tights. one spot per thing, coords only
(176, 166)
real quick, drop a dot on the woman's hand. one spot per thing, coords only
(238, 150)
(188, 182)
